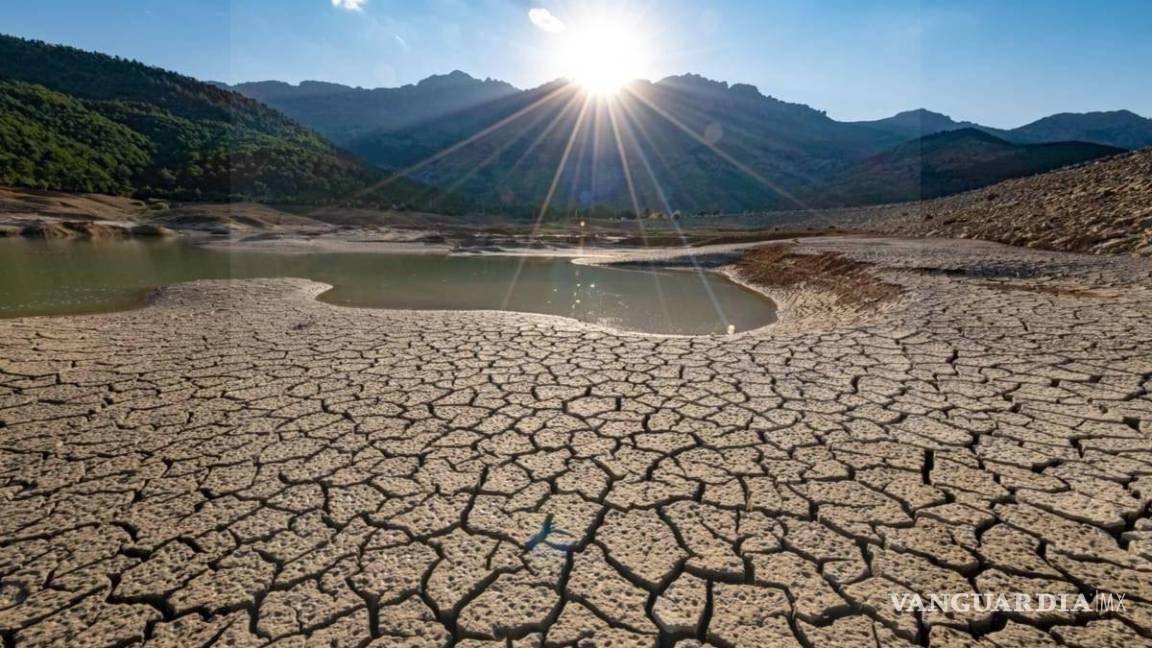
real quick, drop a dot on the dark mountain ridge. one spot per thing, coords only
(684, 143)
(1120, 128)
(912, 124)
(947, 163)
(343, 113)
(696, 144)
(687, 143)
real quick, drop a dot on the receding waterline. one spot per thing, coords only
(74, 277)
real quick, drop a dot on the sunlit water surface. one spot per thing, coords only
(71, 277)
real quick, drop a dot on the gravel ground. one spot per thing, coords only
(1100, 207)
(239, 464)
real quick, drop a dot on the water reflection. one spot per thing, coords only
(67, 277)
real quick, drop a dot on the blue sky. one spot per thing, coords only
(997, 62)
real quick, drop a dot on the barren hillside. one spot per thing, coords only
(1099, 207)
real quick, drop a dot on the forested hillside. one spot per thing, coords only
(49, 140)
(79, 121)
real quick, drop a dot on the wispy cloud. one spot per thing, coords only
(350, 5)
(399, 39)
(544, 19)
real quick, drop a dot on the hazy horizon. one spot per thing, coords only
(1000, 64)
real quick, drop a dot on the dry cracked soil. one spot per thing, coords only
(238, 464)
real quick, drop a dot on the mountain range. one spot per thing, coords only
(685, 143)
(342, 113)
(948, 162)
(1120, 128)
(682, 143)
(82, 121)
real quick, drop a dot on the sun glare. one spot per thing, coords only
(603, 55)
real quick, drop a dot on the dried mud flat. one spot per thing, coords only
(238, 464)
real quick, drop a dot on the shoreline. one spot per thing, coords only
(796, 308)
(615, 259)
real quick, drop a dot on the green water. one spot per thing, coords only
(71, 277)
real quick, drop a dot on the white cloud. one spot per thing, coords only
(350, 5)
(403, 43)
(544, 19)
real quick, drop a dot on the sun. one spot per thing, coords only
(603, 54)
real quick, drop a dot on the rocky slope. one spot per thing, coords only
(1099, 207)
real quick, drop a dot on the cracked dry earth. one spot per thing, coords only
(238, 464)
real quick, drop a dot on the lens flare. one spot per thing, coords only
(604, 54)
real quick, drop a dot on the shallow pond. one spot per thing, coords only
(70, 277)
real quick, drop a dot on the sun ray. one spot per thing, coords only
(712, 147)
(744, 134)
(631, 120)
(408, 171)
(620, 150)
(458, 182)
(707, 287)
(635, 121)
(571, 105)
(626, 168)
(548, 198)
(580, 158)
(560, 167)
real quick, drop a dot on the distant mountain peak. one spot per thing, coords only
(918, 122)
(925, 116)
(325, 85)
(271, 90)
(693, 81)
(953, 161)
(701, 85)
(461, 79)
(1122, 113)
(1122, 128)
(746, 90)
(920, 113)
(455, 76)
(343, 113)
